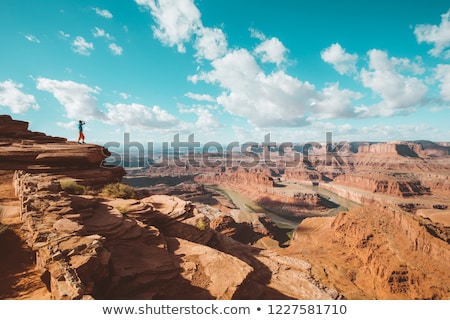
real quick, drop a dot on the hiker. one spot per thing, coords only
(80, 131)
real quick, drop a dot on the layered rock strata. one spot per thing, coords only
(258, 185)
(158, 247)
(35, 152)
(375, 253)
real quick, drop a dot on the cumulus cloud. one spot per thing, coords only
(206, 121)
(406, 65)
(176, 20)
(438, 36)
(13, 98)
(115, 49)
(72, 125)
(272, 50)
(81, 46)
(332, 102)
(76, 98)
(399, 93)
(141, 116)
(443, 75)
(210, 44)
(276, 99)
(343, 62)
(103, 13)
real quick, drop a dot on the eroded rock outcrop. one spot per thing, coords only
(135, 249)
(375, 253)
(35, 152)
(158, 247)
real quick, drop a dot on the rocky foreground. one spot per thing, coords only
(157, 247)
(178, 242)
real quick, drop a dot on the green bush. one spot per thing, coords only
(119, 190)
(72, 187)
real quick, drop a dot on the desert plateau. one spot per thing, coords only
(354, 220)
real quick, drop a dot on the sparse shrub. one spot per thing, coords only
(119, 190)
(72, 187)
(123, 209)
(201, 225)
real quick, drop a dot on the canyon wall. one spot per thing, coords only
(375, 253)
(261, 187)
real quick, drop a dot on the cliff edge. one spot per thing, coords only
(97, 247)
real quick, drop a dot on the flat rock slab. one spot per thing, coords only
(219, 273)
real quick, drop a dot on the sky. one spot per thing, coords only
(228, 71)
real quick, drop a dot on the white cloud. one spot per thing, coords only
(334, 103)
(206, 121)
(176, 20)
(13, 98)
(257, 34)
(439, 36)
(81, 46)
(76, 98)
(343, 62)
(265, 100)
(63, 35)
(72, 125)
(443, 75)
(399, 93)
(200, 97)
(405, 65)
(124, 95)
(141, 116)
(100, 33)
(103, 13)
(272, 50)
(32, 38)
(115, 49)
(210, 44)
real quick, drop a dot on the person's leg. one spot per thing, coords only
(81, 137)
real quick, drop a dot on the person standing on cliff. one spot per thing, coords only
(80, 131)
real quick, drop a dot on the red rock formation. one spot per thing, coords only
(158, 247)
(258, 185)
(375, 253)
(146, 249)
(395, 185)
(36, 152)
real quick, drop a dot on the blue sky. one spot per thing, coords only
(228, 70)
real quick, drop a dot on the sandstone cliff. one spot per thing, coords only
(163, 247)
(35, 152)
(375, 253)
(158, 247)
